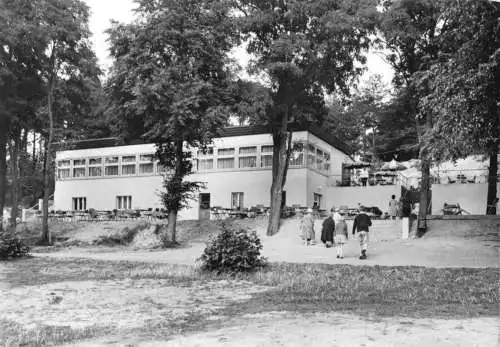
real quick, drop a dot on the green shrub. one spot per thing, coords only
(233, 250)
(12, 246)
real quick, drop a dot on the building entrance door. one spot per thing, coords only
(204, 213)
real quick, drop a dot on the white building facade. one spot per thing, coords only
(236, 170)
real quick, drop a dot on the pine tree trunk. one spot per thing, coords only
(281, 158)
(15, 180)
(492, 182)
(4, 132)
(46, 236)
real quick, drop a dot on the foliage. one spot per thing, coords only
(397, 135)
(461, 87)
(305, 49)
(233, 250)
(170, 84)
(12, 247)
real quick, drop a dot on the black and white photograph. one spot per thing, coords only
(249, 173)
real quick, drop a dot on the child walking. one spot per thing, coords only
(340, 234)
(362, 225)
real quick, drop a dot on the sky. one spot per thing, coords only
(103, 11)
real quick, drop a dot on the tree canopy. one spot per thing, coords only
(170, 83)
(306, 48)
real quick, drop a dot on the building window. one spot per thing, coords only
(225, 163)
(95, 168)
(266, 161)
(297, 157)
(63, 173)
(205, 164)
(146, 158)
(248, 150)
(225, 151)
(79, 168)
(206, 151)
(145, 169)
(237, 200)
(317, 200)
(319, 160)
(111, 170)
(311, 157)
(326, 164)
(111, 160)
(95, 161)
(79, 162)
(78, 172)
(247, 162)
(63, 163)
(128, 170)
(124, 202)
(79, 204)
(128, 159)
(95, 171)
(267, 149)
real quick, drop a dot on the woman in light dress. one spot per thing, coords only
(340, 234)
(307, 228)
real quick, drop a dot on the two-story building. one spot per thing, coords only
(236, 169)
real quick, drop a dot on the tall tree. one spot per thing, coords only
(410, 30)
(305, 48)
(66, 56)
(170, 79)
(19, 80)
(462, 88)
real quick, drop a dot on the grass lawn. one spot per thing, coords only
(412, 292)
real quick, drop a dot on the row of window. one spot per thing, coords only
(109, 170)
(143, 164)
(247, 158)
(124, 202)
(128, 165)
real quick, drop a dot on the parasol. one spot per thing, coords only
(393, 165)
(357, 165)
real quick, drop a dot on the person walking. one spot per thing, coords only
(393, 207)
(340, 234)
(328, 230)
(307, 227)
(362, 224)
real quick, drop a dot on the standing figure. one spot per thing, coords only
(328, 230)
(362, 225)
(393, 207)
(307, 227)
(364, 177)
(340, 235)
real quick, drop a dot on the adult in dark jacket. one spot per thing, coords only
(327, 230)
(362, 224)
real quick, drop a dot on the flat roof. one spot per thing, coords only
(233, 131)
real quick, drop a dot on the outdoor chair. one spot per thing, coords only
(472, 180)
(450, 181)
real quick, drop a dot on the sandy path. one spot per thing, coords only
(435, 252)
(328, 330)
